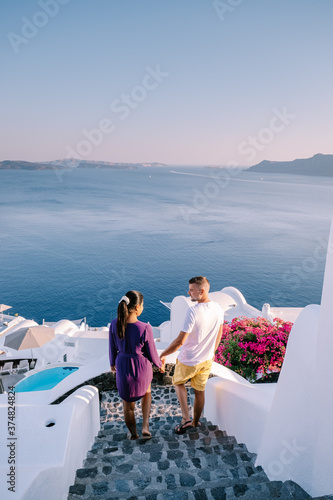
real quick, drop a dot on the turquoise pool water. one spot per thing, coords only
(47, 379)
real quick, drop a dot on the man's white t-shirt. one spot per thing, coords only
(203, 322)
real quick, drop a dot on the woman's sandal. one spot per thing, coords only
(131, 438)
(182, 428)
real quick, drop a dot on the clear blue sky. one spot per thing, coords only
(226, 72)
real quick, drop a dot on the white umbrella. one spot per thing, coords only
(29, 337)
(3, 308)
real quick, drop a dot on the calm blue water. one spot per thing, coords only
(73, 243)
(45, 379)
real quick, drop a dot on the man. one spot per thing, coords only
(199, 339)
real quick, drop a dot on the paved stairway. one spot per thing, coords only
(202, 464)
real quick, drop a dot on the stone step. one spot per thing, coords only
(203, 463)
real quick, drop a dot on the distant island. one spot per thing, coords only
(71, 163)
(318, 165)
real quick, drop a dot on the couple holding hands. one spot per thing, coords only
(132, 351)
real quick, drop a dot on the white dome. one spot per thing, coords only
(23, 324)
(65, 327)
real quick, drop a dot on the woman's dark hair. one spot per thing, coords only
(124, 309)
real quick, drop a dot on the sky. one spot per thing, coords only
(193, 82)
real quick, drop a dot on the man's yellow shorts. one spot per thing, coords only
(197, 373)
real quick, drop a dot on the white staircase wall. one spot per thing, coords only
(298, 438)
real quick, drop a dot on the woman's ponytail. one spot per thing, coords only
(122, 318)
(125, 306)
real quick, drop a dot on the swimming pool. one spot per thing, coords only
(44, 380)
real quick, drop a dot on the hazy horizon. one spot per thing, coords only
(92, 160)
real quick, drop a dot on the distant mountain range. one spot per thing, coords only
(319, 165)
(71, 163)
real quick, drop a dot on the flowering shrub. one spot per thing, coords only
(253, 347)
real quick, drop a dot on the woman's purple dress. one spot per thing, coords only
(132, 357)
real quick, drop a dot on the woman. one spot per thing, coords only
(132, 350)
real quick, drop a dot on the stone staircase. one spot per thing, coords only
(202, 464)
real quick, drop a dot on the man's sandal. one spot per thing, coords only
(146, 435)
(182, 428)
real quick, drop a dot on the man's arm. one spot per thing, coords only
(218, 339)
(175, 345)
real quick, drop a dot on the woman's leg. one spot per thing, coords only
(145, 406)
(130, 418)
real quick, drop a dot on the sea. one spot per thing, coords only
(74, 241)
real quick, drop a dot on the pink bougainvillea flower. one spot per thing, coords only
(252, 346)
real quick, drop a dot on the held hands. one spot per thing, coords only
(113, 369)
(162, 369)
